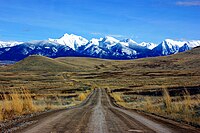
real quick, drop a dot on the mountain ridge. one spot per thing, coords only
(107, 47)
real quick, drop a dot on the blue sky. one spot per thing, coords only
(141, 20)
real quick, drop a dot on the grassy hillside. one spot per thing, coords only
(41, 63)
(86, 64)
(185, 60)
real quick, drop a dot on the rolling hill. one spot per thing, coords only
(41, 63)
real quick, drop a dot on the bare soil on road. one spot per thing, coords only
(99, 115)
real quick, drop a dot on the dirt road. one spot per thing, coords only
(99, 115)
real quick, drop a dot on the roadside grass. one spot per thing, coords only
(180, 108)
(16, 103)
(1, 114)
(117, 97)
(82, 96)
(28, 104)
(21, 102)
(167, 101)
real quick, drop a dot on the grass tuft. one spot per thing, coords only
(167, 101)
(148, 106)
(16, 103)
(82, 96)
(1, 113)
(28, 101)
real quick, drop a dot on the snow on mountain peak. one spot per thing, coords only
(9, 44)
(193, 43)
(174, 43)
(71, 40)
(129, 41)
(92, 42)
(148, 45)
(95, 41)
(109, 39)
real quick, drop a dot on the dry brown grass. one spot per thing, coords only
(83, 96)
(16, 103)
(21, 102)
(117, 97)
(28, 101)
(149, 105)
(7, 107)
(177, 108)
(167, 101)
(1, 114)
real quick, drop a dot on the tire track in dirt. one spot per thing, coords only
(121, 122)
(97, 123)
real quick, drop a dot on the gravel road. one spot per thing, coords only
(99, 115)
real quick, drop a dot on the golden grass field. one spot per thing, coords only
(165, 86)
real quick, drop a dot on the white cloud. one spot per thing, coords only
(181, 39)
(113, 35)
(96, 33)
(117, 35)
(188, 3)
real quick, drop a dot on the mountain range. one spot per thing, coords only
(107, 47)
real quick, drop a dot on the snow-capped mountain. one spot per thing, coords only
(92, 48)
(107, 42)
(122, 51)
(107, 47)
(93, 42)
(148, 45)
(128, 42)
(185, 47)
(193, 43)
(9, 44)
(169, 46)
(45, 48)
(72, 41)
